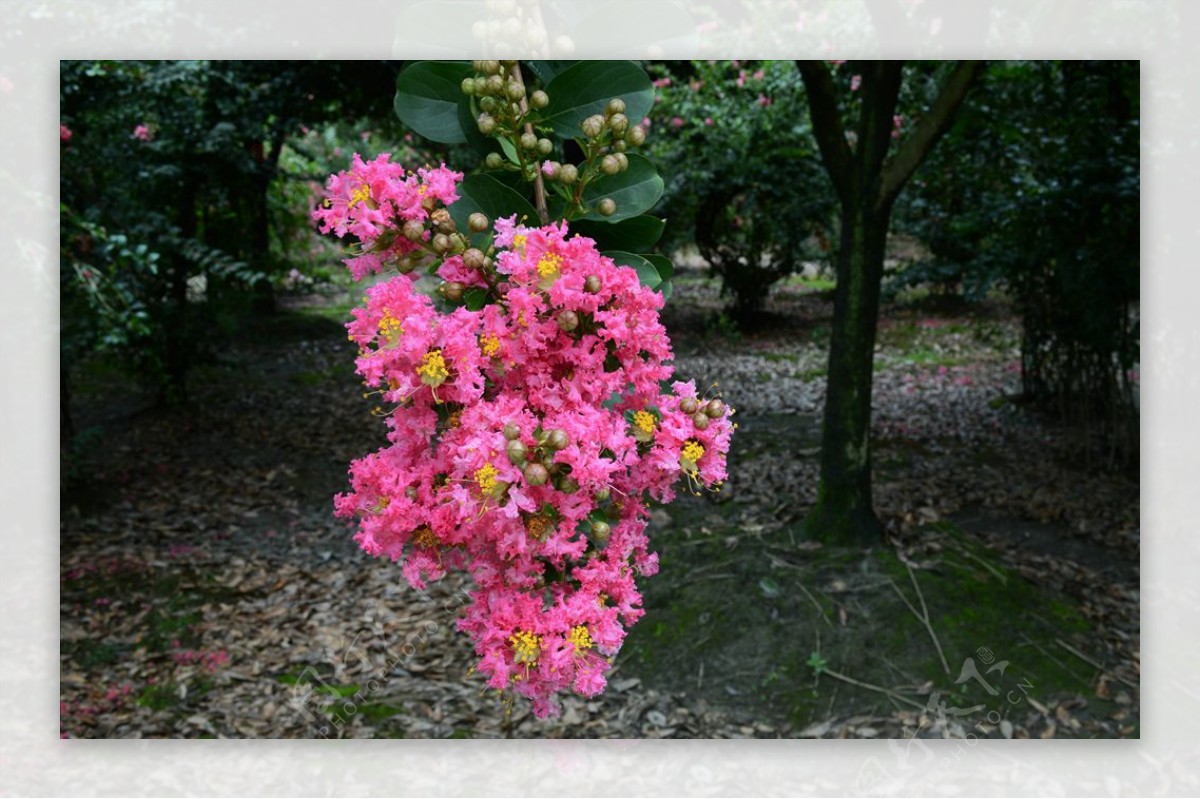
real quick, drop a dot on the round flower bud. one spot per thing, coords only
(568, 321)
(528, 141)
(622, 159)
(636, 136)
(601, 531)
(468, 86)
(536, 474)
(414, 230)
(511, 431)
(406, 265)
(700, 421)
(615, 106)
(619, 145)
(689, 405)
(514, 90)
(558, 439)
(516, 452)
(493, 161)
(539, 99)
(442, 221)
(591, 284)
(607, 206)
(568, 174)
(474, 258)
(609, 165)
(487, 124)
(603, 494)
(411, 492)
(480, 86)
(489, 104)
(545, 146)
(495, 85)
(619, 124)
(452, 291)
(441, 242)
(715, 409)
(478, 222)
(593, 126)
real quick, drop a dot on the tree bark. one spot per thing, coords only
(867, 183)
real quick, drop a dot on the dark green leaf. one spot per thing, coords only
(635, 190)
(635, 234)
(428, 97)
(664, 265)
(646, 272)
(583, 89)
(489, 196)
(546, 70)
(475, 298)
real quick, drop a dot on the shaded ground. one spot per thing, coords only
(207, 591)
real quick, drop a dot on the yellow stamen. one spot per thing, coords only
(360, 194)
(538, 527)
(486, 478)
(424, 537)
(549, 265)
(433, 369)
(693, 451)
(527, 647)
(489, 344)
(518, 242)
(644, 421)
(390, 327)
(580, 638)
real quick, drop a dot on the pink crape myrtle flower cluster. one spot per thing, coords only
(525, 438)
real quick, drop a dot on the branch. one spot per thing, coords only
(899, 168)
(539, 188)
(827, 124)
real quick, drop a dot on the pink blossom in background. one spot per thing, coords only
(646, 123)
(677, 122)
(763, 100)
(758, 74)
(365, 135)
(838, 63)
(708, 121)
(855, 82)
(661, 83)
(741, 78)
(142, 133)
(64, 133)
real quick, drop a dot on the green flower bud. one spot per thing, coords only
(474, 258)
(487, 124)
(489, 104)
(514, 90)
(700, 421)
(689, 405)
(591, 284)
(619, 145)
(619, 124)
(622, 159)
(442, 221)
(511, 431)
(568, 485)
(493, 161)
(536, 474)
(539, 99)
(636, 136)
(480, 86)
(516, 452)
(609, 165)
(593, 126)
(715, 409)
(603, 494)
(615, 106)
(568, 321)
(558, 439)
(495, 85)
(441, 243)
(468, 86)
(607, 206)
(478, 222)
(601, 531)
(406, 265)
(545, 146)
(489, 68)
(528, 141)
(414, 230)
(453, 291)
(569, 174)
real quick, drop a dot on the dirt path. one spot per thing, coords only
(207, 590)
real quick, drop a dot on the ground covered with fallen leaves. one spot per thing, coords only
(207, 590)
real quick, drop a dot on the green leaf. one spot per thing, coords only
(475, 298)
(510, 150)
(581, 90)
(646, 272)
(428, 97)
(635, 234)
(666, 270)
(489, 196)
(546, 70)
(635, 190)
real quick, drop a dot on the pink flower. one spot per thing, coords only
(708, 121)
(143, 133)
(758, 74)
(855, 81)
(741, 78)
(677, 122)
(763, 100)
(64, 133)
(661, 83)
